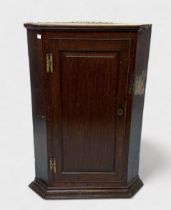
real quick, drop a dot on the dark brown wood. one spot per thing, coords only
(47, 192)
(38, 105)
(137, 101)
(87, 113)
(83, 26)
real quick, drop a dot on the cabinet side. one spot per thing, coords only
(138, 93)
(38, 104)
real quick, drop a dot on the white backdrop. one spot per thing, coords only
(16, 137)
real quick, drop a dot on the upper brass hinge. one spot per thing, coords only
(49, 63)
(52, 165)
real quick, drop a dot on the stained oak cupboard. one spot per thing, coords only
(88, 85)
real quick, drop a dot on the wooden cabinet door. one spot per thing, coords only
(88, 110)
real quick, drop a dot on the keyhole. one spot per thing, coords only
(120, 111)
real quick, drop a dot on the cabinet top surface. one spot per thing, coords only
(85, 25)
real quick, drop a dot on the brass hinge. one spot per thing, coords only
(49, 63)
(52, 165)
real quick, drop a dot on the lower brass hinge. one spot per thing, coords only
(52, 165)
(49, 63)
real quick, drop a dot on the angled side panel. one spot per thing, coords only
(38, 104)
(138, 92)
